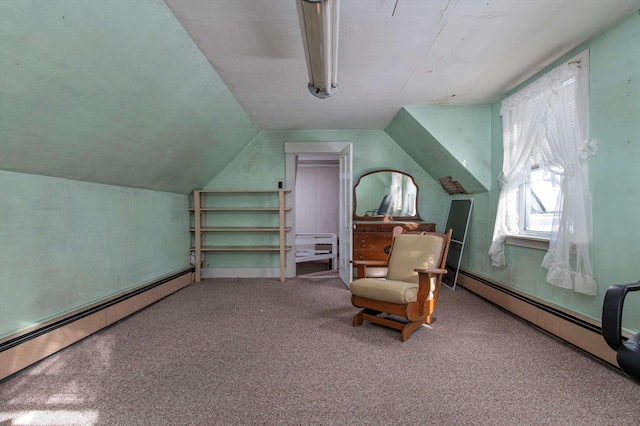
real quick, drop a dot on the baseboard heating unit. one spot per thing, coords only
(26, 348)
(581, 332)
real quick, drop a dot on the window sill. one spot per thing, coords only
(527, 241)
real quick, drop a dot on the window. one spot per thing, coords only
(538, 203)
(543, 184)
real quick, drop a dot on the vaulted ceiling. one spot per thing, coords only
(112, 92)
(392, 53)
(164, 94)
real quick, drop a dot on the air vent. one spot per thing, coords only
(452, 186)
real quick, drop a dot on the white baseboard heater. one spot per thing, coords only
(581, 332)
(20, 351)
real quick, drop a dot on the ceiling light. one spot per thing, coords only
(319, 25)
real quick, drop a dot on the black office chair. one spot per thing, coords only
(382, 209)
(628, 352)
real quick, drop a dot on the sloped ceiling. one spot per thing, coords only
(449, 141)
(430, 153)
(112, 92)
(392, 53)
(163, 94)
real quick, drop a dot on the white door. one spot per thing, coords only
(346, 218)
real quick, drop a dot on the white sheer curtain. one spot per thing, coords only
(410, 191)
(545, 124)
(396, 193)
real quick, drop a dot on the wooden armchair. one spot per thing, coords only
(412, 285)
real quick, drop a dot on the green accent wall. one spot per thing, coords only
(66, 244)
(465, 132)
(117, 93)
(261, 165)
(614, 180)
(446, 141)
(112, 92)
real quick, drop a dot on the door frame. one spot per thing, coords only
(291, 150)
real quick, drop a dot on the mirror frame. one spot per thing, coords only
(415, 217)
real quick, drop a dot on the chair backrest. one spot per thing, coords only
(384, 205)
(628, 352)
(411, 251)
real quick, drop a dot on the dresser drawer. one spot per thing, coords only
(372, 240)
(371, 246)
(387, 227)
(374, 228)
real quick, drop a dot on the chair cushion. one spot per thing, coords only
(385, 290)
(408, 253)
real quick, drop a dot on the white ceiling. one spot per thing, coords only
(427, 52)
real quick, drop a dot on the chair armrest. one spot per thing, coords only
(612, 313)
(425, 276)
(362, 265)
(431, 271)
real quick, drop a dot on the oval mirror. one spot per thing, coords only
(386, 195)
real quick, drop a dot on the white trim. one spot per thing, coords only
(536, 243)
(314, 147)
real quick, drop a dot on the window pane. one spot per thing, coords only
(541, 202)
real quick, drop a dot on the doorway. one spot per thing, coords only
(316, 150)
(316, 213)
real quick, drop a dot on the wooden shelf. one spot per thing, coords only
(201, 230)
(239, 229)
(243, 248)
(241, 209)
(241, 191)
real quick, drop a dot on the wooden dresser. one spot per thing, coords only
(372, 240)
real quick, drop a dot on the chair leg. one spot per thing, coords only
(413, 326)
(357, 320)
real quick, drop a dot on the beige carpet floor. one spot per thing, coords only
(262, 352)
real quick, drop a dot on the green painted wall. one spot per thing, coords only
(113, 92)
(415, 130)
(66, 244)
(261, 165)
(116, 92)
(464, 131)
(614, 178)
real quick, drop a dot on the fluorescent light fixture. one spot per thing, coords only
(319, 26)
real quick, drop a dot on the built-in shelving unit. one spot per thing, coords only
(204, 201)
